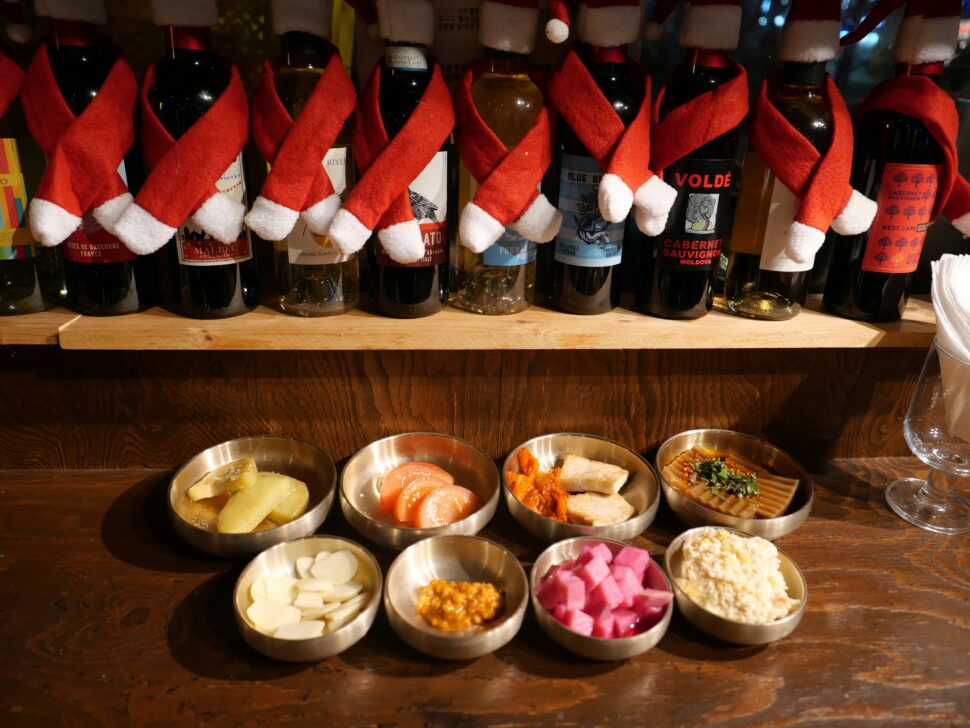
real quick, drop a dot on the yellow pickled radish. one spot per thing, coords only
(247, 508)
(292, 507)
(228, 478)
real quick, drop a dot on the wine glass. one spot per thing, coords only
(937, 430)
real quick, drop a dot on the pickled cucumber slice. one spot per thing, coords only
(292, 507)
(228, 478)
(247, 508)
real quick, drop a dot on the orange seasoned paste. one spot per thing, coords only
(453, 605)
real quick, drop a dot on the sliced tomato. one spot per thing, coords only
(411, 495)
(445, 505)
(405, 474)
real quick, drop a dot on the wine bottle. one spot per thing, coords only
(677, 266)
(416, 289)
(502, 279)
(762, 282)
(313, 278)
(588, 250)
(202, 277)
(895, 164)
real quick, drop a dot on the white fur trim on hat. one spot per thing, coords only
(50, 223)
(185, 13)
(655, 197)
(222, 217)
(348, 233)
(609, 27)
(477, 229)
(809, 41)
(926, 40)
(107, 213)
(86, 11)
(403, 242)
(615, 198)
(507, 27)
(319, 216)
(406, 21)
(649, 225)
(304, 16)
(540, 222)
(557, 31)
(711, 27)
(857, 216)
(803, 243)
(962, 224)
(141, 232)
(270, 220)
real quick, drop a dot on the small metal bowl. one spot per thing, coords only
(738, 633)
(281, 560)
(295, 458)
(360, 485)
(595, 648)
(641, 489)
(454, 558)
(751, 448)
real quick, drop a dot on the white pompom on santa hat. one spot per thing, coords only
(928, 32)
(509, 25)
(713, 25)
(303, 16)
(812, 31)
(602, 23)
(185, 13)
(85, 11)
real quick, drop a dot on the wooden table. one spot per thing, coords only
(107, 619)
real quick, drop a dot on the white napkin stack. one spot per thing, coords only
(951, 299)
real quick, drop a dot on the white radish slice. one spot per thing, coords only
(258, 589)
(343, 592)
(308, 600)
(339, 567)
(269, 616)
(281, 589)
(321, 556)
(300, 630)
(322, 611)
(314, 585)
(303, 565)
(342, 616)
(358, 602)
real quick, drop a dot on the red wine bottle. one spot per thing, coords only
(416, 289)
(201, 277)
(102, 277)
(895, 159)
(672, 285)
(588, 250)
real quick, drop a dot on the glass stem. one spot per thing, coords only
(939, 483)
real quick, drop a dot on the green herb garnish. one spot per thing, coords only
(720, 478)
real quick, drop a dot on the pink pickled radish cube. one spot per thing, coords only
(636, 559)
(578, 621)
(624, 622)
(593, 572)
(602, 623)
(601, 550)
(649, 616)
(570, 591)
(559, 613)
(628, 583)
(547, 595)
(606, 594)
(648, 599)
(570, 565)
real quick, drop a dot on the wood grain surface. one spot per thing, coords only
(107, 619)
(34, 329)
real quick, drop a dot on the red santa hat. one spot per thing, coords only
(928, 32)
(603, 23)
(713, 25)
(85, 11)
(304, 16)
(811, 32)
(509, 25)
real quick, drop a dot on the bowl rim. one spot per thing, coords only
(537, 605)
(422, 533)
(677, 544)
(463, 634)
(649, 466)
(375, 597)
(327, 496)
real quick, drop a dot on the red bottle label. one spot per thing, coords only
(91, 243)
(906, 199)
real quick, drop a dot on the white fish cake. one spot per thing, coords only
(269, 616)
(580, 475)
(300, 630)
(337, 568)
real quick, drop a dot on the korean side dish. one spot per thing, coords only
(319, 596)
(237, 498)
(422, 495)
(736, 577)
(455, 605)
(730, 484)
(602, 595)
(578, 490)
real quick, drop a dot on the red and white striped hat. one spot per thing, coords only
(185, 13)
(811, 32)
(304, 16)
(928, 32)
(509, 25)
(713, 25)
(85, 11)
(604, 23)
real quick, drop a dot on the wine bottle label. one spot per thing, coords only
(405, 58)
(781, 215)
(302, 246)
(429, 201)
(585, 239)
(906, 197)
(196, 247)
(510, 250)
(91, 243)
(16, 242)
(701, 214)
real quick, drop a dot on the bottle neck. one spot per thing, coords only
(304, 50)
(600, 54)
(701, 57)
(504, 62)
(406, 57)
(803, 75)
(74, 33)
(179, 38)
(933, 70)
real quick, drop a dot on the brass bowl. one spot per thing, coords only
(360, 485)
(284, 455)
(641, 489)
(454, 558)
(751, 448)
(728, 630)
(281, 560)
(595, 648)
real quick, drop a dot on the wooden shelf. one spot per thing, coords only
(35, 328)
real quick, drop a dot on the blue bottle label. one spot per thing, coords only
(586, 239)
(510, 250)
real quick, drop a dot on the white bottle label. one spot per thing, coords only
(305, 248)
(405, 58)
(784, 207)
